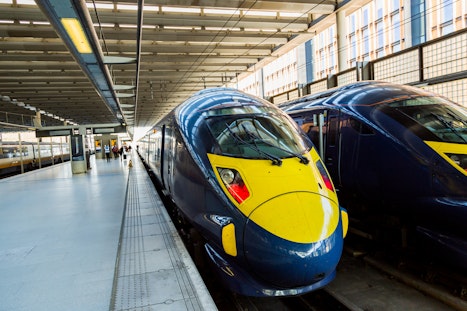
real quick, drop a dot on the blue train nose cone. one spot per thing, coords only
(285, 263)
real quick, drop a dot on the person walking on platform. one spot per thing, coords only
(107, 152)
(120, 152)
(115, 151)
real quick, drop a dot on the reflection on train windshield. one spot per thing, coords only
(446, 121)
(256, 136)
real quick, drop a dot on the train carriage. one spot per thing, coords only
(252, 184)
(395, 152)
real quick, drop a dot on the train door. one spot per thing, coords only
(163, 167)
(168, 157)
(310, 125)
(332, 145)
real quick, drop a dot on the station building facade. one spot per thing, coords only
(416, 42)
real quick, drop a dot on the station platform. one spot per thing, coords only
(95, 241)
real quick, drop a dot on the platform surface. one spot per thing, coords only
(94, 241)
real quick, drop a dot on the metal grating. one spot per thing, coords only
(151, 272)
(402, 68)
(445, 57)
(346, 78)
(454, 90)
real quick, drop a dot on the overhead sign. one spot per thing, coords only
(109, 130)
(99, 129)
(50, 133)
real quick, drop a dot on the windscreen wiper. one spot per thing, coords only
(302, 158)
(275, 160)
(448, 125)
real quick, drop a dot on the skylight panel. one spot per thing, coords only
(182, 27)
(128, 26)
(261, 30)
(127, 7)
(221, 12)
(106, 6)
(180, 10)
(40, 23)
(108, 25)
(222, 29)
(290, 14)
(151, 8)
(260, 13)
(25, 2)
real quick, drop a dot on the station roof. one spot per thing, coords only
(139, 58)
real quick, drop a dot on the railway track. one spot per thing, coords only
(361, 284)
(319, 300)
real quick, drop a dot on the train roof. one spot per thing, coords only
(192, 109)
(359, 94)
(188, 113)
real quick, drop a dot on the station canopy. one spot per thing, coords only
(130, 62)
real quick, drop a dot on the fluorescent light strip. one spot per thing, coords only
(76, 33)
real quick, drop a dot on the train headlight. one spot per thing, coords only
(459, 159)
(227, 175)
(456, 159)
(234, 184)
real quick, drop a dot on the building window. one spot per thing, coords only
(379, 9)
(396, 27)
(379, 34)
(418, 21)
(353, 46)
(326, 54)
(447, 17)
(366, 40)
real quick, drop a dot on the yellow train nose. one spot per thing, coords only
(301, 217)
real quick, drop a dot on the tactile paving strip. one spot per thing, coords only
(150, 273)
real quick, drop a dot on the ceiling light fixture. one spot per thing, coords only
(76, 33)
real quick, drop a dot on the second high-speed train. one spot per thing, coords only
(395, 153)
(251, 183)
(16, 156)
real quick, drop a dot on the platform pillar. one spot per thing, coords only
(78, 157)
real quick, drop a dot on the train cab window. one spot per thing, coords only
(431, 116)
(256, 136)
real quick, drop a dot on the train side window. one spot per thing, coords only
(299, 120)
(360, 127)
(332, 130)
(309, 125)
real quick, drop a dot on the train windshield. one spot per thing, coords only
(446, 121)
(257, 136)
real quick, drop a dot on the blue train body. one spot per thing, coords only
(250, 182)
(395, 150)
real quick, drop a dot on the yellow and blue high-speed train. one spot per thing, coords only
(397, 154)
(251, 183)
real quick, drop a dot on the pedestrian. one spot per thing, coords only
(107, 152)
(120, 151)
(115, 151)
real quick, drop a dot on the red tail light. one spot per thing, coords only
(234, 184)
(324, 175)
